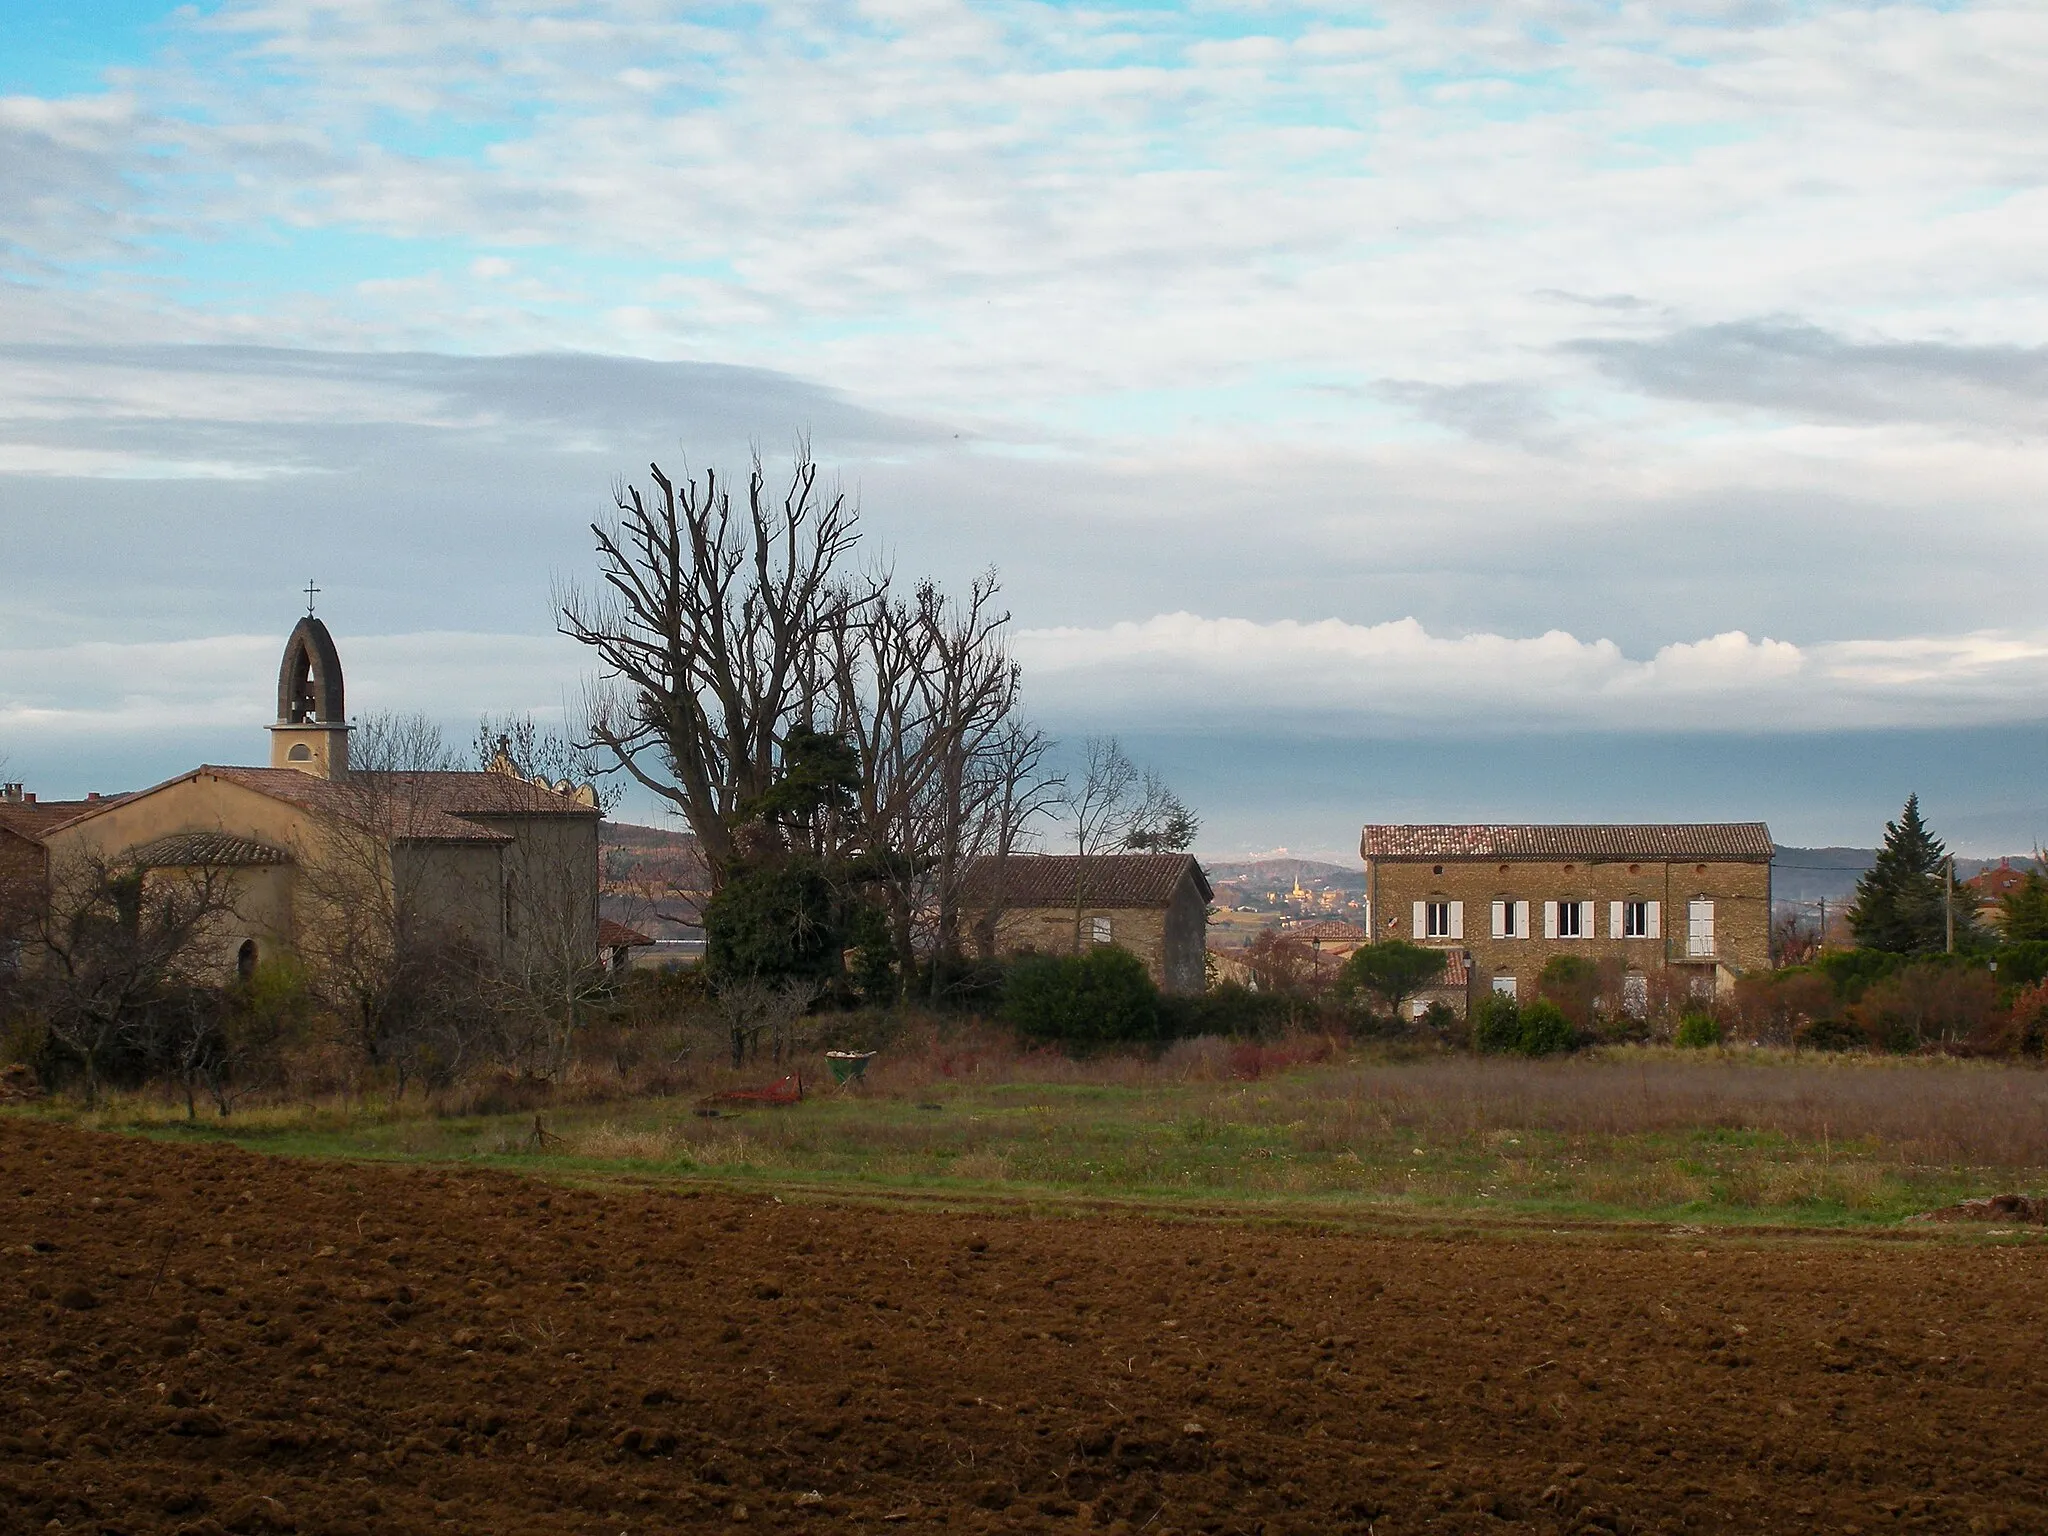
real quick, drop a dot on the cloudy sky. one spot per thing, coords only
(1404, 411)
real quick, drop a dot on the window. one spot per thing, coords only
(1635, 919)
(245, 960)
(1504, 985)
(300, 753)
(1569, 925)
(1510, 919)
(1699, 926)
(1099, 929)
(1439, 920)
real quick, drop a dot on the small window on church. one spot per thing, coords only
(245, 960)
(301, 753)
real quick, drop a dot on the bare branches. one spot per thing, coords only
(1116, 808)
(711, 628)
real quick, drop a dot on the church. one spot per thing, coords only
(314, 849)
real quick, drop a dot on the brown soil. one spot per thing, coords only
(202, 1339)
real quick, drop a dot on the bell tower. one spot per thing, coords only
(311, 733)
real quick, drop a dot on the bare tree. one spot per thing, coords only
(379, 882)
(1114, 807)
(711, 629)
(116, 942)
(1011, 785)
(924, 690)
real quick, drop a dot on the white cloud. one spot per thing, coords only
(1398, 678)
(227, 684)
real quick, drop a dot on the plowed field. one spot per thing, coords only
(197, 1338)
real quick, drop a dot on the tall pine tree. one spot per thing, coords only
(1899, 900)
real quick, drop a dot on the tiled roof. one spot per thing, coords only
(1327, 931)
(1740, 841)
(394, 803)
(490, 794)
(33, 819)
(193, 850)
(1103, 880)
(611, 935)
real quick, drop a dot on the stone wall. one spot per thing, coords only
(1740, 893)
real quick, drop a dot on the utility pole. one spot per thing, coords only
(1823, 925)
(1948, 904)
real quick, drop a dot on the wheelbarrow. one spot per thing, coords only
(848, 1066)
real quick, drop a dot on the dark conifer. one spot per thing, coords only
(1899, 900)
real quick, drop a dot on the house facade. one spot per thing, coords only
(1689, 904)
(1156, 905)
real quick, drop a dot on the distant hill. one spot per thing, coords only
(651, 878)
(1312, 873)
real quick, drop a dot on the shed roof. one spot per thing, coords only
(1724, 841)
(1327, 931)
(616, 935)
(193, 850)
(1102, 880)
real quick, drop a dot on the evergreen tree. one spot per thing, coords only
(2026, 909)
(1899, 901)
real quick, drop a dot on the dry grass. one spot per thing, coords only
(1734, 1135)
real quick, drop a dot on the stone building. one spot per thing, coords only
(319, 852)
(1692, 902)
(1156, 905)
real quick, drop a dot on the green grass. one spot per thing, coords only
(1634, 1137)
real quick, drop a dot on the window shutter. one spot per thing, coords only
(1422, 920)
(1521, 920)
(1457, 920)
(1586, 920)
(1614, 921)
(1654, 927)
(1550, 919)
(1500, 919)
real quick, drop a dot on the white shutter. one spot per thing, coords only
(1422, 920)
(1550, 919)
(1521, 920)
(1654, 926)
(1614, 920)
(1500, 919)
(1457, 920)
(1586, 920)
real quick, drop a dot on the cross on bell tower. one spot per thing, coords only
(311, 592)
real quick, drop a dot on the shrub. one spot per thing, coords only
(1082, 1001)
(778, 920)
(1831, 1035)
(1231, 1010)
(1936, 1002)
(1497, 1024)
(2021, 962)
(1545, 1029)
(1697, 1031)
(1572, 983)
(1439, 1017)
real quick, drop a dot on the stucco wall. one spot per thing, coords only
(550, 888)
(1741, 893)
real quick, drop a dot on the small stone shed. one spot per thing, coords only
(1156, 905)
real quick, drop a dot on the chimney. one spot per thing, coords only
(91, 795)
(10, 793)
(28, 799)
